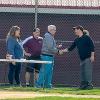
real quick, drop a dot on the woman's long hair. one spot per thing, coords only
(12, 31)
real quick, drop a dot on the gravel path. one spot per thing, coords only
(14, 94)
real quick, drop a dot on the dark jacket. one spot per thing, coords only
(84, 45)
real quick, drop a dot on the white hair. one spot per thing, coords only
(50, 27)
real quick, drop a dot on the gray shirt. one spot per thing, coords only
(49, 45)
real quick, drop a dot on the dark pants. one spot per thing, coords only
(14, 73)
(31, 66)
(86, 71)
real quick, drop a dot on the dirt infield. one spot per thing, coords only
(14, 94)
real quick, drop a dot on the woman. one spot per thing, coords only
(14, 51)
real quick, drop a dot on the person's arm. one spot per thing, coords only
(91, 44)
(92, 57)
(25, 47)
(25, 41)
(72, 47)
(68, 49)
(10, 47)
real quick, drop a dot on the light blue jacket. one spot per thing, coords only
(14, 48)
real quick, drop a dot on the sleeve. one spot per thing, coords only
(91, 44)
(25, 46)
(10, 47)
(72, 46)
(27, 39)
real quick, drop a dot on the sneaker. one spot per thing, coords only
(36, 85)
(48, 86)
(18, 85)
(89, 87)
(82, 87)
(86, 87)
(11, 85)
(28, 85)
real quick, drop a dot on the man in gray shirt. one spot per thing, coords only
(49, 49)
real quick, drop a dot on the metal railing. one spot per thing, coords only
(75, 3)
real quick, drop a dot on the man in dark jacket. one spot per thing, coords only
(85, 48)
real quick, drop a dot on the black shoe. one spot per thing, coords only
(11, 85)
(28, 85)
(18, 85)
(89, 87)
(83, 85)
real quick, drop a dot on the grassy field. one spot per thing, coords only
(55, 98)
(59, 91)
(95, 91)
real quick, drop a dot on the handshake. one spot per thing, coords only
(62, 51)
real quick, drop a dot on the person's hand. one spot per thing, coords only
(27, 54)
(8, 56)
(14, 63)
(59, 46)
(64, 50)
(60, 52)
(92, 58)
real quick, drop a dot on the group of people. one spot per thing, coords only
(38, 48)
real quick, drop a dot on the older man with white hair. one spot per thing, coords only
(49, 49)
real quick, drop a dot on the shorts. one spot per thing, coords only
(31, 66)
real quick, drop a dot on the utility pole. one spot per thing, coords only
(36, 12)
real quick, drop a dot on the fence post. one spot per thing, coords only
(36, 12)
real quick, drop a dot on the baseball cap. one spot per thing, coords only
(78, 27)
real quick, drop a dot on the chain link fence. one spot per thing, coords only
(64, 14)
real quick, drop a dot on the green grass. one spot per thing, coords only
(55, 98)
(95, 91)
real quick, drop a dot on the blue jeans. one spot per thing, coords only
(14, 73)
(45, 74)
